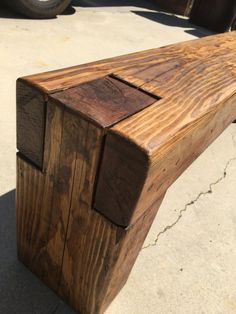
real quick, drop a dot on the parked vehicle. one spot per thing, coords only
(218, 15)
(39, 9)
(233, 26)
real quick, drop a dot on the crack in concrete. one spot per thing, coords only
(189, 204)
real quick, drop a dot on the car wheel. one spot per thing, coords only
(39, 9)
(233, 26)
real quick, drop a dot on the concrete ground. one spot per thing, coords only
(187, 264)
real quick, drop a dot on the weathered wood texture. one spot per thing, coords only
(217, 15)
(105, 101)
(112, 137)
(31, 113)
(170, 134)
(71, 247)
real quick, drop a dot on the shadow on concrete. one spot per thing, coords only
(163, 18)
(146, 4)
(20, 291)
(199, 32)
(175, 21)
(158, 14)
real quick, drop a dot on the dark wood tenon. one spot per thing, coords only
(105, 101)
(31, 115)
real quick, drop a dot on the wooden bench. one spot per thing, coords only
(99, 145)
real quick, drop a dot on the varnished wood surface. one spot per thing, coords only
(193, 92)
(31, 112)
(104, 101)
(35, 192)
(174, 55)
(76, 251)
(152, 171)
(109, 155)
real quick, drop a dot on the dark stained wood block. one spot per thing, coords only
(31, 113)
(105, 101)
(99, 146)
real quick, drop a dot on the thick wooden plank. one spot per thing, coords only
(99, 257)
(63, 180)
(34, 197)
(204, 73)
(121, 178)
(69, 166)
(72, 248)
(193, 94)
(151, 167)
(58, 80)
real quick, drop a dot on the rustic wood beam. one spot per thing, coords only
(99, 145)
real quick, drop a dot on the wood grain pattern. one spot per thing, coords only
(63, 79)
(154, 170)
(192, 94)
(34, 197)
(72, 248)
(31, 112)
(104, 101)
(110, 153)
(96, 272)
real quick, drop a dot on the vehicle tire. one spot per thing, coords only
(233, 26)
(39, 9)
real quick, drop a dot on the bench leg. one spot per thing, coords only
(97, 258)
(75, 250)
